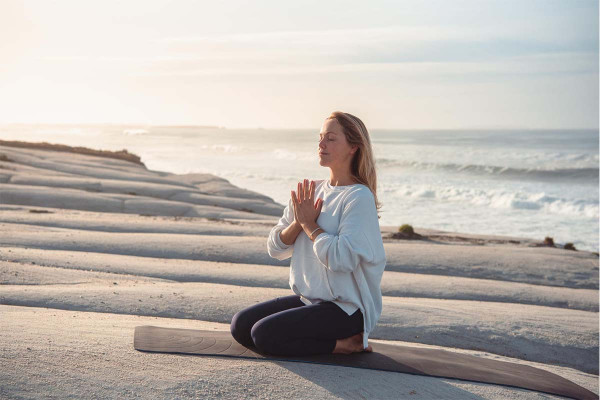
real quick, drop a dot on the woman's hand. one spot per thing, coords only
(306, 211)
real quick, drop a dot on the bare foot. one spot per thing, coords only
(352, 344)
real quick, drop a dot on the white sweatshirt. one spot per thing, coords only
(345, 263)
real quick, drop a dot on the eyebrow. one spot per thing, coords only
(326, 133)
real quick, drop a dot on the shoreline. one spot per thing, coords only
(388, 231)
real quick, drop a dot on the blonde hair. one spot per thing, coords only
(362, 166)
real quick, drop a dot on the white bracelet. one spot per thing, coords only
(310, 236)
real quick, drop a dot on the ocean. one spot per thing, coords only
(527, 183)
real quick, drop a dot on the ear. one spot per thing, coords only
(354, 149)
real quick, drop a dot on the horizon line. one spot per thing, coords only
(203, 126)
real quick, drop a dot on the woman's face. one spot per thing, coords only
(334, 149)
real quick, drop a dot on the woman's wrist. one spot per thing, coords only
(288, 235)
(316, 232)
(312, 230)
(296, 226)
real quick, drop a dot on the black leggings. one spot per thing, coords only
(286, 326)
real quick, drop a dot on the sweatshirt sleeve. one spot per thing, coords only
(351, 246)
(276, 248)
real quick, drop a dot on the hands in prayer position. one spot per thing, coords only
(306, 210)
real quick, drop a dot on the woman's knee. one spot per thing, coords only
(245, 320)
(240, 326)
(263, 337)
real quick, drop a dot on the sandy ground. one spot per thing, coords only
(90, 355)
(91, 247)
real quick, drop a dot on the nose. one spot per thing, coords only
(321, 141)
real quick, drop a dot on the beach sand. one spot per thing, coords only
(91, 247)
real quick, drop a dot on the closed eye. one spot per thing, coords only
(328, 137)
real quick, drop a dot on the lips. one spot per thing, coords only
(323, 154)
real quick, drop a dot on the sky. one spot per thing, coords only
(419, 64)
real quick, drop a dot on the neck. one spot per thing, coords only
(341, 178)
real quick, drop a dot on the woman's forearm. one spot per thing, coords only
(289, 234)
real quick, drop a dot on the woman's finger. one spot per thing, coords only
(312, 191)
(295, 205)
(299, 192)
(306, 189)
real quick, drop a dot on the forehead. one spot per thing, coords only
(331, 126)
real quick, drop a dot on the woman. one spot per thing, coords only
(337, 255)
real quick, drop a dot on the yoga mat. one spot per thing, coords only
(405, 359)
